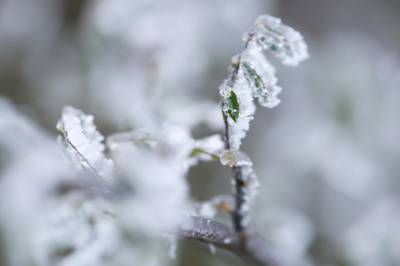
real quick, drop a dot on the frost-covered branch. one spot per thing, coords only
(253, 77)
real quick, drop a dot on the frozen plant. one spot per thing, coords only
(155, 163)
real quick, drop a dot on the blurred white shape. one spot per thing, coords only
(34, 168)
(145, 61)
(156, 176)
(375, 238)
(79, 235)
(290, 233)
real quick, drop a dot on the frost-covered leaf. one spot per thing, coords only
(84, 143)
(261, 76)
(283, 41)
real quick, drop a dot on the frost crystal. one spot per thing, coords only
(283, 41)
(83, 142)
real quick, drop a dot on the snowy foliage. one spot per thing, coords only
(252, 76)
(67, 218)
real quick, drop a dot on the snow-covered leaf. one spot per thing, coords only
(84, 143)
(284, 42)
(261, 76)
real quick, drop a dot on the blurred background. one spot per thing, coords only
(327, 157)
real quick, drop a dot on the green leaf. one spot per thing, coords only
(198, 151)
(233, 106)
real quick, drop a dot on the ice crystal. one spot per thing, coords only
(83, 142)
(284, 42)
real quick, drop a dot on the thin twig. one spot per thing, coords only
(239, 193)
